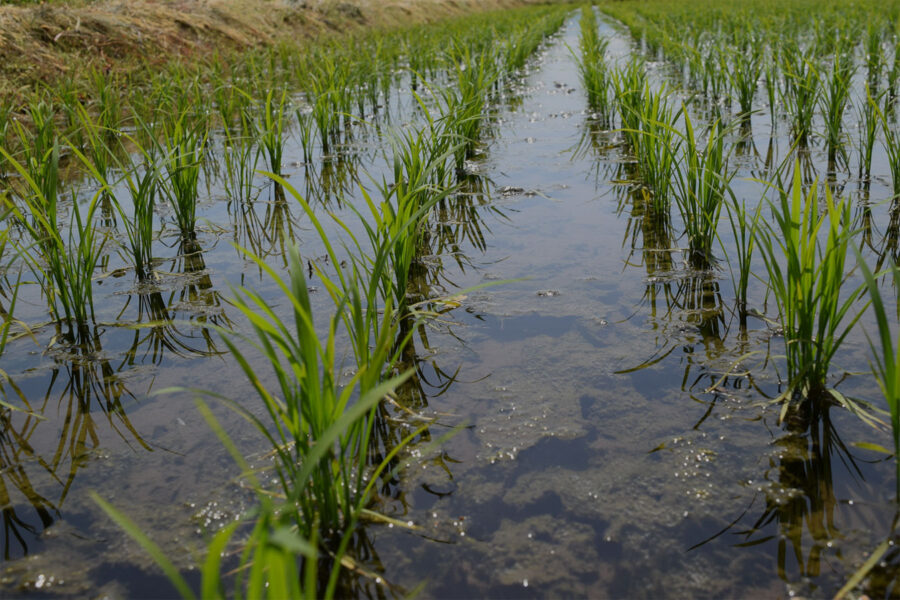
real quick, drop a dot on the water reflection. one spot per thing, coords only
(801, 513)
(266, 234)
(42, 451)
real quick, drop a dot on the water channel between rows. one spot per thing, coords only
(598, 456)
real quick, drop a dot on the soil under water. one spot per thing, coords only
(600, 451)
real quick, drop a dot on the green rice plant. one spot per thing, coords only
(702, 183)
(36, 145)
(64, 268)
(746, 67)
(801, 91)
(743, 225)
(320, 435)
(241, 157)
(324, 113)
(834, 97)
(893, 77)
(770, 78)
(891, 147)
(305, 126)
(592, 64)
(630, 84)
(95, 140)
(107, 96)
(885, 359)
(868, 131)
(659, 145)
(874, 53)
(182, 160)
(464, 104)
(142, 179)
(271, 129)
(806, 277)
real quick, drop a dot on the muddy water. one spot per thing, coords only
(598, 451)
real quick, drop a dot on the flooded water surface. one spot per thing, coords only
(604, 442)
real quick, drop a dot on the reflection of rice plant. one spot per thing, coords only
(806, 276)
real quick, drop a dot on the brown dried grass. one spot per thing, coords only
(40, 44)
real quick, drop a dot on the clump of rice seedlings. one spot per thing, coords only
(110, 112)
(834, 98)
(893, 77)
(142, 179)
(271, 129)
(63, 267)
(800, 92)
(770, 77)
(324, 114)
(592, 64)
(659, 145)
(95, 140)
(240, 157)
(891, 148)
(806, 276)
(746, 67)
(702, 183)
(743, 225)
(874, 54)
(305, 128)
(885, 359)
(629, 84)
(182, 160)
(868, 130)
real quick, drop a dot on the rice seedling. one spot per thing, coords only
(806, 277)
(64, 268)
(770, 78)
(659, 145)
(182, 160)
(142, 179)
(629, 84)
(885, 351)
(701, 187)
(891, 147)
(321, 437)
(874, 54)
(743, 226)
(835, 96)
(305, 126)
(107, 96)
(868, 131)
(801, 91)
(893, 76)
(746, 67)
(241, 156)
(271, 129)
(592, 64)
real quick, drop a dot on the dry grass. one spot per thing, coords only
(40, 44)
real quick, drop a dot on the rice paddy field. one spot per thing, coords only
(560, 300)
